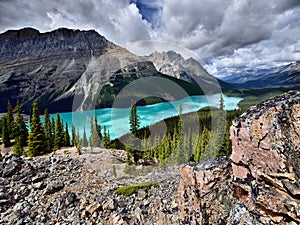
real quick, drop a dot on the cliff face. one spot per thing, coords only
(261, 182)
(42, 66)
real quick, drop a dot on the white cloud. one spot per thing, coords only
(234, 35)
(229, 35)
(117, 20)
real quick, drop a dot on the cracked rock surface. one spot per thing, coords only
(260, 183)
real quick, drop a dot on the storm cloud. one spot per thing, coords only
(229, 35)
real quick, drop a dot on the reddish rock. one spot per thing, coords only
(261, 183)
(205, 192)
(265, 156)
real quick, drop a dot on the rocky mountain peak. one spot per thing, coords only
(173, 64)
(20, 34)
(29, 42)
(166, 56)
(42, 66)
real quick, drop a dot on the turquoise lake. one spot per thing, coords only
(116, 119)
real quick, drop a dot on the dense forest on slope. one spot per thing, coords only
(179, 140)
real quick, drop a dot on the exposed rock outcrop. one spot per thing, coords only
(205, 192)
(261, 183)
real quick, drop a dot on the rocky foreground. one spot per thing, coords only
(79, 189)
(260, 182)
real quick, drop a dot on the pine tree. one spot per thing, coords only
(202, 145)
(67, 136)
(104, 139)
(98, 128)
(23, 129)
(10, 120)
(78, 144)
(5, 133)
(48, 131)
(95, 140)
(30, 115)
(108, 139)
(36, 139)
(18, 148)
(74, 138)
(21, 132)
(134, 120)
(226, 144)
(222, 104)
(58, 133)
(128, 155)
(84, 141)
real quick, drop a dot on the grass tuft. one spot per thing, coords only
(134, 188)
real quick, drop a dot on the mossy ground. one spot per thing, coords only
(134, 188)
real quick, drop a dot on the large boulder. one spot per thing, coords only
(260, 184)
(266, 158)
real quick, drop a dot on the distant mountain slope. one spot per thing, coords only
(283, 76)
(66, 69)
(42, 66)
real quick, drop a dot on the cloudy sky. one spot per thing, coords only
(228, 35)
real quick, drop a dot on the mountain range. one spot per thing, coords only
(282, 76)
(69, 70)
(66, 70)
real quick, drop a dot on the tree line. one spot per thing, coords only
(40, 138)
(47, 136)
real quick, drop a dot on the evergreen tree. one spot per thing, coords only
(128, 155)
(58, 133)
(30, 115)
(74, 138)
(226, 144)
(108, 139)
(18, 148)
(84, 140)
(10, 120)
(98, 128)
(104, 139)
(53, 132)
(95, 140)
(222, 104)
(134, 120)
(48, 131)
(36, 139)
(5, 133)
(202, 145)
(67, 136)
(78, 144)
(21, 132)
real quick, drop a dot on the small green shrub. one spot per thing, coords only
(134, 188)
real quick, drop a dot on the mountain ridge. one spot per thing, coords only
(282, 76)
(56, 66)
